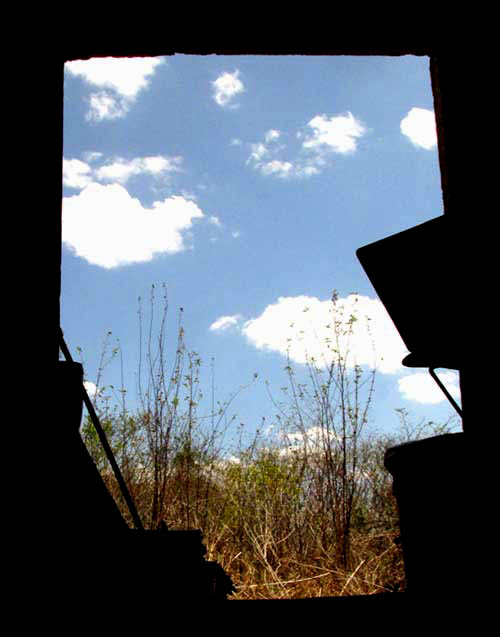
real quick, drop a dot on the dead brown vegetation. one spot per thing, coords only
(304, 509)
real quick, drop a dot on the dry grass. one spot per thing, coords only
(307, 512)
(274, 537)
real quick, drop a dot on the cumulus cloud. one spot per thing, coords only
(264, 153)
(225, 322)
(313, 440)
(307, 329)
(338, 134)
(259, 151)
(107, 106)
(277, 168)
(120, 170)
(78, 174)
(421, 387)
(272, 135)
(265, 157)
(126, 76)
(119, 81)
(304, 328)
(322, 138)
(226, 87)
(107, 227)
(419, 126)
(91, 388)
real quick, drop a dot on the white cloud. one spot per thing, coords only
(215, 221)
(92, 156)
(76, 173)
(159, 164)
(338, 133)
(125, 76)
(272, 135)
(259, 151)
(309, 170)
(264, 157)
(323, 138)
(419, 126)
(303, 328)
(106, 106)
(312, 440)
(277, 168)
(104, 225)
(225, 322)
(91, 388)
(119, 80)
(422, 388)
(118, 171)
(226, 87)
(121, 170)
(231, 460)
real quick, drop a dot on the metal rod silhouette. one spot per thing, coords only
(445, 392)
(104, 442)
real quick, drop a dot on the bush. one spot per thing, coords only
(304, 510)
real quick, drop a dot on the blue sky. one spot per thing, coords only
(245, 184)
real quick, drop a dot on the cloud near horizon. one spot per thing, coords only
(422, 388)
(91, 389)
(119, 81)
(302, 328)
